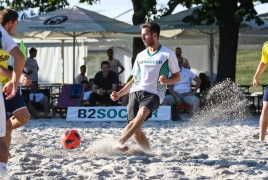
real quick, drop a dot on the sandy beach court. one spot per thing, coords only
(180, 150)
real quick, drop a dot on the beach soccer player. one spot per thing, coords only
(264, 113)
(147, 88)
(8, 47)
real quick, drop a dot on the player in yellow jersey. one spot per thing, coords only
(264, 112)
(9, 21)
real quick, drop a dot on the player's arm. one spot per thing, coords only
(171, 80)
(114, 88)
(5, 72)
(125, 90)
(259, 71)
(18, 64)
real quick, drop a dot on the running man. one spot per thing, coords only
(9, 21)
(148, 86)
(264, 112)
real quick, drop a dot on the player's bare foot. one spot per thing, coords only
(121, 146)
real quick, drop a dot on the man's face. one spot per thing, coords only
(147, 37)
(11, 27)
(110, 54)
(33, 54)
(178, 52)
(83, 70)
(105, 69)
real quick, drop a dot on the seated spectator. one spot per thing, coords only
(205, 84)
(39, 99)
(104, 83)
(214, 76)
(181, 91)
(80, 77)
(87, 90)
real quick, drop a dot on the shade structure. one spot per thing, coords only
(174, 26)
(70, 23)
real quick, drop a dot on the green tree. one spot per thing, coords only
(228, 14)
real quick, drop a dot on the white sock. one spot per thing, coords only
(3, 167)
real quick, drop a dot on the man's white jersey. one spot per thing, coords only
(148, 67)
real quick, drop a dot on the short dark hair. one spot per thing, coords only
(82, 66)
(153, 26)
(105, 62)
(7, 15)
(110, 49)
(84, 82)
(178, 48)
(32, 50)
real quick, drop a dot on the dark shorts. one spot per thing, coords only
(14, 104)
(265, 94)
(138, 99)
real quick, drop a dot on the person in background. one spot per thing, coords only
(264, 113)
(31, 67)
(104, 83)
(205, 84)
(147, 88)
(36, 97)
(9, 21)
(81, 77)
(114, 63)
(88, 90)
(186, 63)
(181, 91)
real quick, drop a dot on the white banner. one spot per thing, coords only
(111, 113)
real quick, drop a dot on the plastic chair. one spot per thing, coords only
(65, 100)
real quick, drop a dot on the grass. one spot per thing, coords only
(246, 65)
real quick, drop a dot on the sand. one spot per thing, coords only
(180, 150)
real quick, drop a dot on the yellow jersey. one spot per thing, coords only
(6, 45)
(264, 57)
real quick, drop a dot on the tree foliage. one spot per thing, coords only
(228, 14)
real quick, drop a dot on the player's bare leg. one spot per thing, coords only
(8, 132)
(141, 139)
(263, 121)
(22, 117)
(134, 127)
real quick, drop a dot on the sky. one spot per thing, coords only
(113, 9)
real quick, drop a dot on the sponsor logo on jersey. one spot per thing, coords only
(150, 62)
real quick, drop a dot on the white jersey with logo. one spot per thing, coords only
(148, 67)
(6, 45)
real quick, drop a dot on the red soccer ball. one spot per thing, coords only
(70, 139)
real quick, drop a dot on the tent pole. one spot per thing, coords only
(73, 57)
(211, 57)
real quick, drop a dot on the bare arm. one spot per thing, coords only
(121, 71)
(171, 80)
(197, 84)
(24, 79)
(114, 88)
(11, 87)
(171, 91)
(259, 71)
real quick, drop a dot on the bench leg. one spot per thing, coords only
(174, 113)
